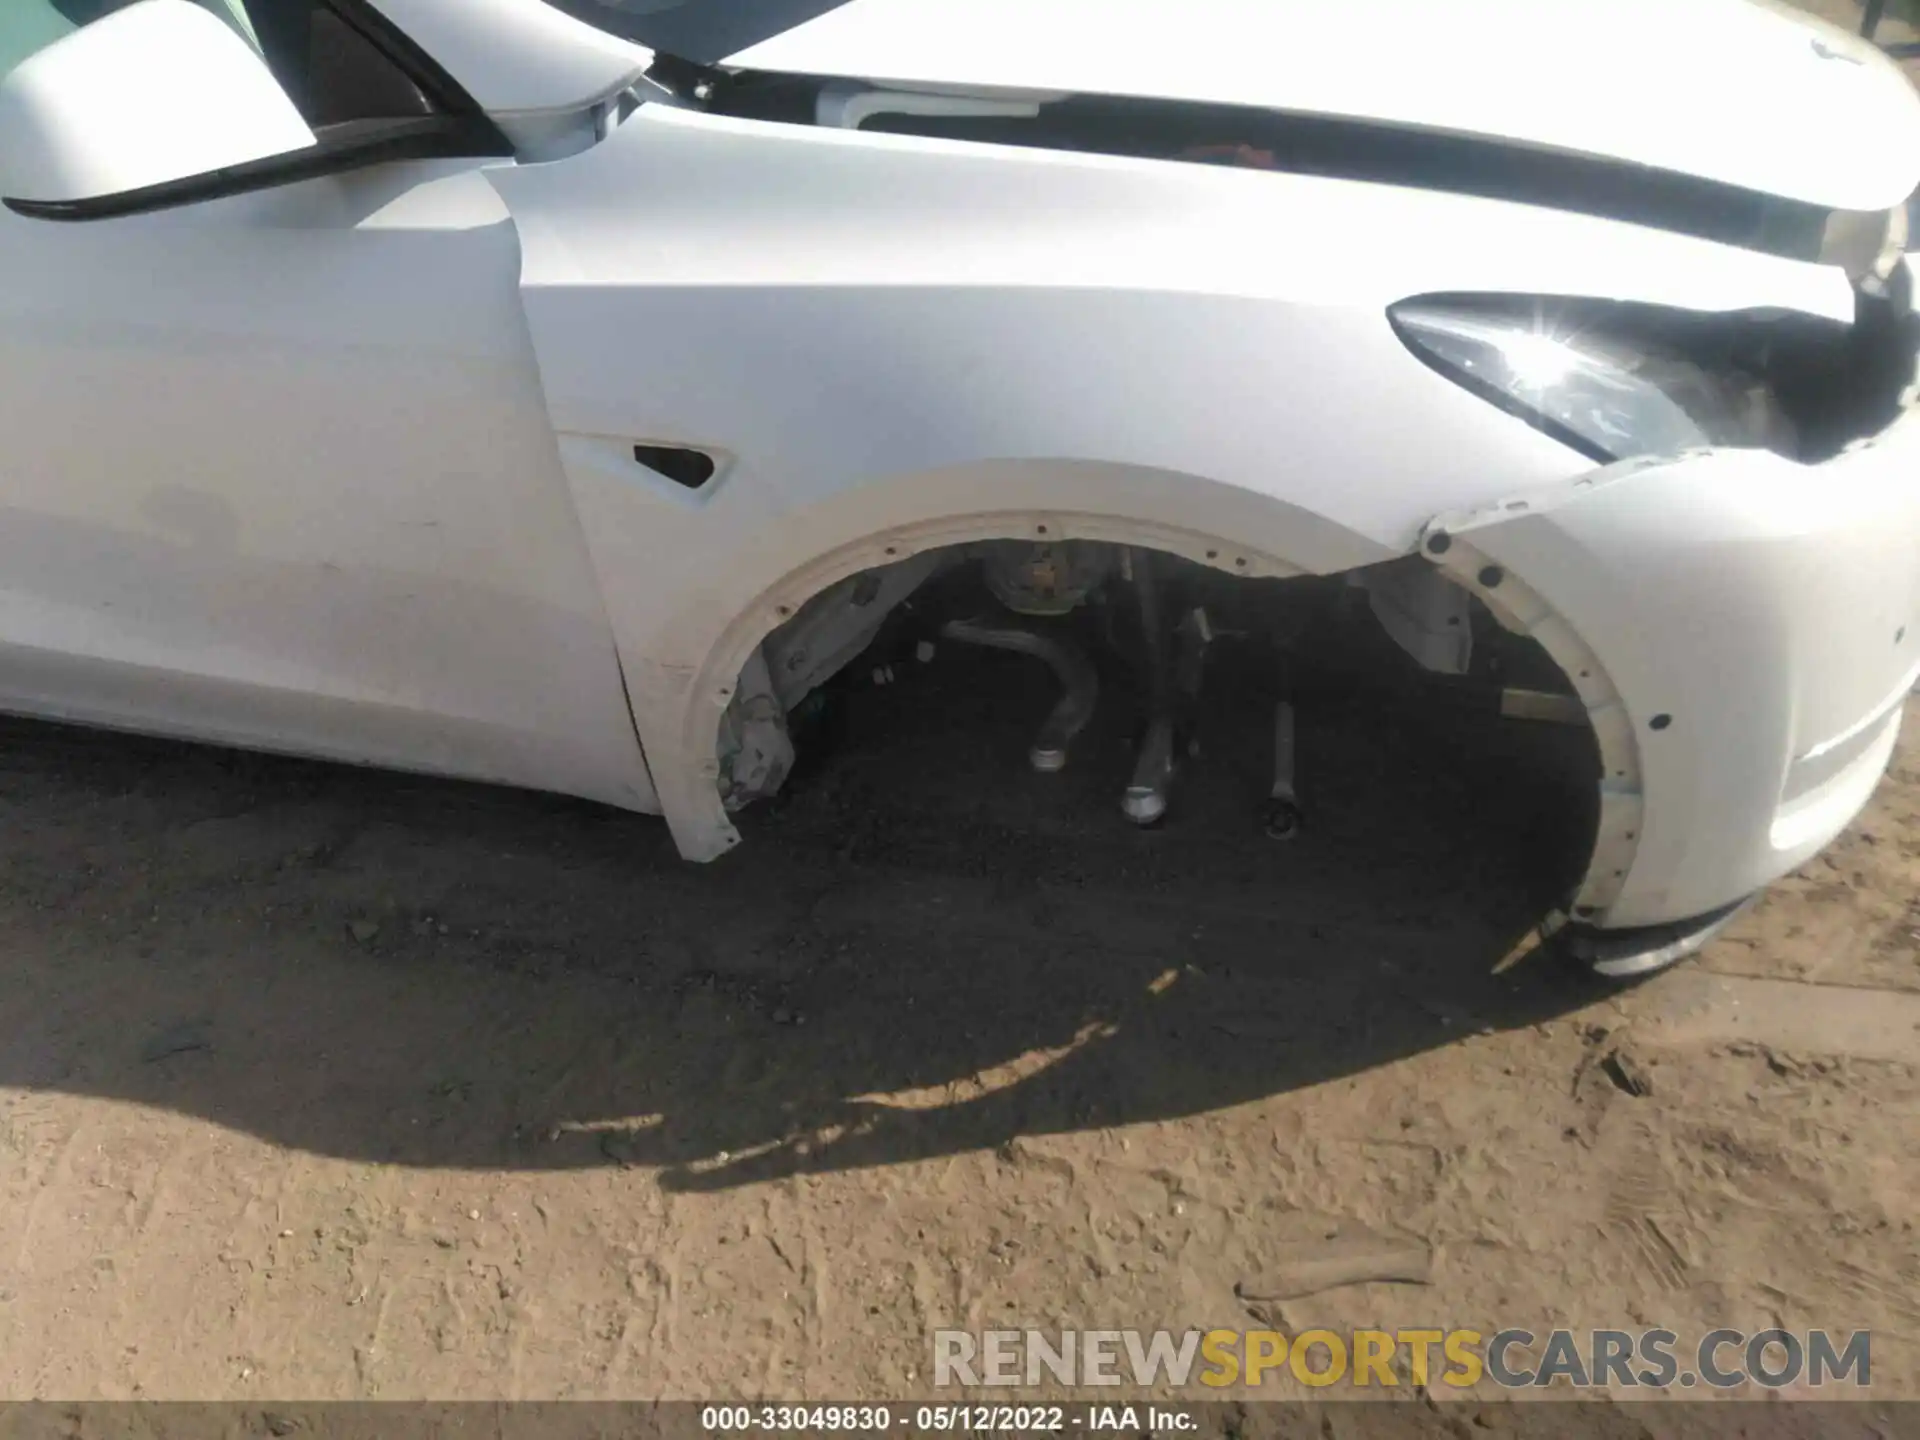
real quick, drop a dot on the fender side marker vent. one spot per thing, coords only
(690, 468)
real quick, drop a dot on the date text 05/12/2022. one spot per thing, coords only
(948, 1418)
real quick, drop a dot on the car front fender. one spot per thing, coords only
(877, 340)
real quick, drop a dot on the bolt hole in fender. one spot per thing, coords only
(1159, 632)
(816, 621)
(1170, 617)
(1521, 611)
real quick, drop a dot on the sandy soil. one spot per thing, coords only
(325, 1083)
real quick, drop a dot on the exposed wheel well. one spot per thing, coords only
(807, 630)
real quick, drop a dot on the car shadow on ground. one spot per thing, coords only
(923, 951)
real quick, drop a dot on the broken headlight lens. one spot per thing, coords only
(1606, 398)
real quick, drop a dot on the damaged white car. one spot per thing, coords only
(559, 392)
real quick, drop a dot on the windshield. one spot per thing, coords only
(702, 30)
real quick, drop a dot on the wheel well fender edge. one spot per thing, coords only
(682, 715)
(1522, 610)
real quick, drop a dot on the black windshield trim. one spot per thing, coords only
(1338, 147)
(703, 31)
(446, 94)
(351, 146)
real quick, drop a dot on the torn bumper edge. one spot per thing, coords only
(1629, 954)
(1742, 631)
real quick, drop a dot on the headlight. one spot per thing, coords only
(1605, 397)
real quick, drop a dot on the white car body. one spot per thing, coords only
(345, 466)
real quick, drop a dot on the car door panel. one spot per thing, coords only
(276, 471)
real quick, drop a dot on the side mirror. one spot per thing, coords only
(158, 92)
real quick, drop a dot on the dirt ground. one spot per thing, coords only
(327, 1083)
(322, 1083)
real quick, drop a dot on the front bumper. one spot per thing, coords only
(1744, 632)
(1644, 949)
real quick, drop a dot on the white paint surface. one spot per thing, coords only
(1727, 89)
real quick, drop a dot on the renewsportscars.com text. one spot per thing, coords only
(1510, 1358)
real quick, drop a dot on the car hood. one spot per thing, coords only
(1743, 92)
